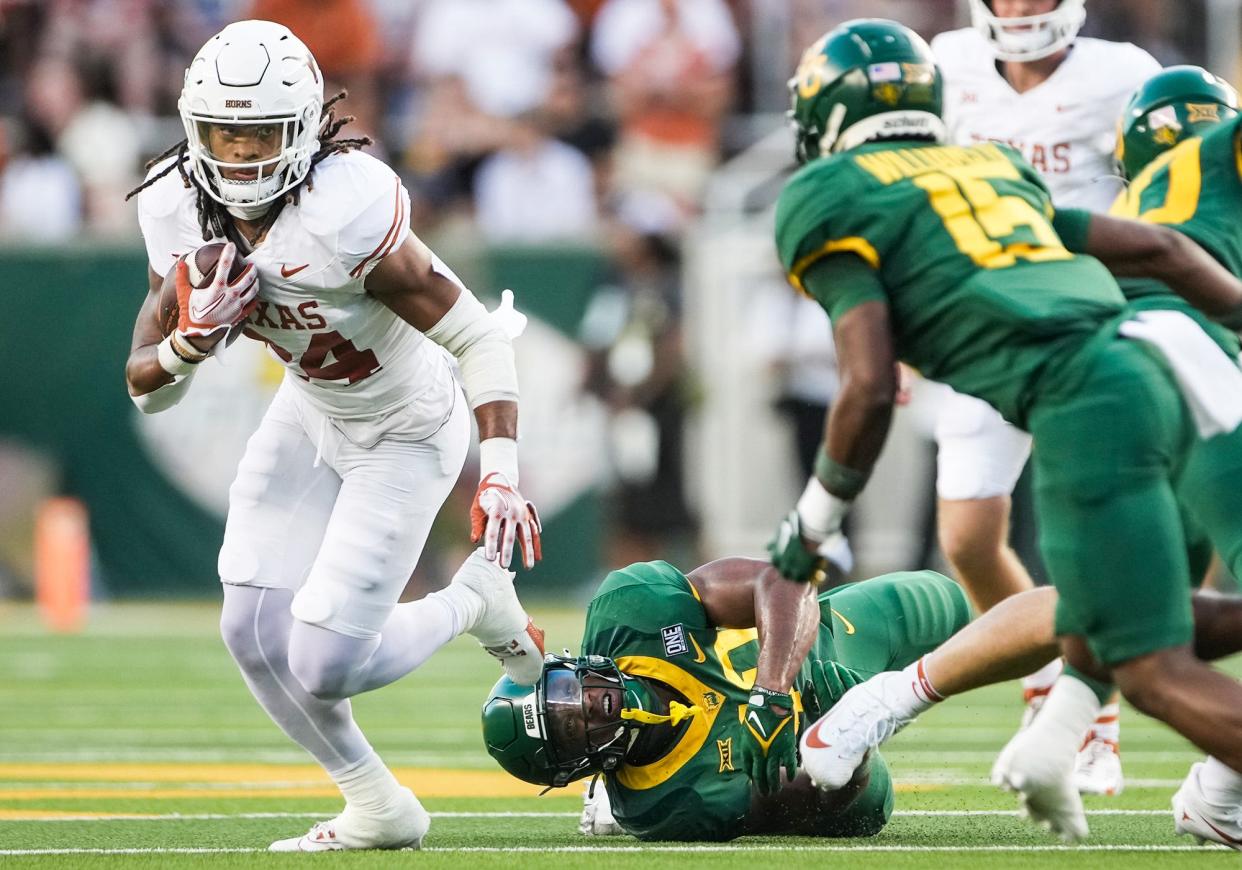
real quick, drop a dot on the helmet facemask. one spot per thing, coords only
(578, 705)
(282, 159)
(1029, 37)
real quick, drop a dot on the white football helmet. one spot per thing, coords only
(1029, 37)
(253, 74)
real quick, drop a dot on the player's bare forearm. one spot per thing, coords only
(1137, 249)
(143, 372)
(497, 420)
(858, 422)
(749, 593)
(787, 616)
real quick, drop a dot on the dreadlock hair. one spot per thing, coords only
(213, 218)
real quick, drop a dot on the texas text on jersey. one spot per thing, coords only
(352, 356)
(1065, 127)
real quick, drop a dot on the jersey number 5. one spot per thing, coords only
(348, 363)
(983, 222)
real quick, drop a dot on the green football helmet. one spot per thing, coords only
(867, 79)
(565, 727)
(1174, 104)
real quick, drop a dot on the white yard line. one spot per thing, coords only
(703, 849)
(186, 817)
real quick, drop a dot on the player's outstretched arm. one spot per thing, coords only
(1132, 248)
(423, 292)
(856, 429)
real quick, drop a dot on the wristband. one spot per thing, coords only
(172, 362)
(181, 347)
(844, 482)
(499, 455)
(820, 512)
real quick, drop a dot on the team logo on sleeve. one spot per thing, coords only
(725, 748)
(674, 637)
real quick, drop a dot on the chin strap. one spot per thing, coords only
(677, 713)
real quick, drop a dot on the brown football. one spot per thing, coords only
(204, 260)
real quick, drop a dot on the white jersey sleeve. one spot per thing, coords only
(1065, 127)
(380, 228)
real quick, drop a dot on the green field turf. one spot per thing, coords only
(136, 744)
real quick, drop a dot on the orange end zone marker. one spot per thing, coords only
(62, 563)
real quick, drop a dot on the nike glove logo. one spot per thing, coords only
(754, 717)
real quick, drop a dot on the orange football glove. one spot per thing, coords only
(499, 515)
(204, 311)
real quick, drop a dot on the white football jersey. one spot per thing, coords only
(352, 356)
(1065, 127)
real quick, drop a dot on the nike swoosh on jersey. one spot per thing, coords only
(849, 626)
(699, 656)
(286, 272)
(813, 739)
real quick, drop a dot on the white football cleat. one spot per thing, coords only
(1193, 815)
(1044, 781)
(1097, 770)
(401, 826)
(836, 744)
(503, 628)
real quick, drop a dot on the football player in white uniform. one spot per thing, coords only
(368, 432)
(1021, 75)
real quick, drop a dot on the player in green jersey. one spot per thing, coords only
(692, 687)
(944, 257)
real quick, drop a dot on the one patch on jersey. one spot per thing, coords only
(725, 748)
(674, 637)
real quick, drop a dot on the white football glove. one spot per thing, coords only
(500, 516)
(204, 311)
(597, 819)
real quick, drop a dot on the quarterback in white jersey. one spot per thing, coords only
(1021, 75)
(336, 493)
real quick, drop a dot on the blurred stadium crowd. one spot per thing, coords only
(513, 122)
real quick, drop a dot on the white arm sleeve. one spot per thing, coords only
(165, 397)
(483, 349)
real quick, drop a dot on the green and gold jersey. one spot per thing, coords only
(957, 242)
(1194, 188)
(648, 618)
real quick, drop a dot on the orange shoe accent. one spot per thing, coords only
(1029, 695)
(536, 634)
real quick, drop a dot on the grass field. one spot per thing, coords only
(136, 744)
